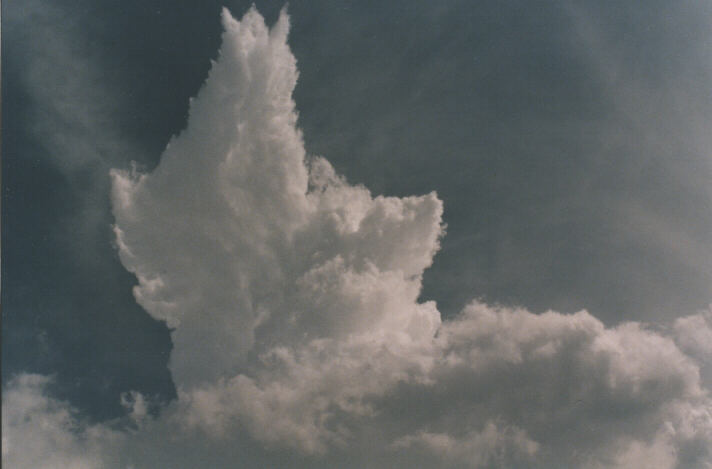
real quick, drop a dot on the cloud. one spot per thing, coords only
(70, 107)
(298, 336)
(694, 335)
(245, 246)
(492, 446)
(580, 390)
(71, 112)
(39, 431)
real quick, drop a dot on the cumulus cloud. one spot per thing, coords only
(239, 246)
(293, 301)
(694, 335)
(39, 431)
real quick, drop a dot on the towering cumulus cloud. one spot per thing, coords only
(244, 250)
(299, 340)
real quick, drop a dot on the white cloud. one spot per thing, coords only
(293, 298)
(232, 249)
(694, 335)
(583, 392)
(42, 432)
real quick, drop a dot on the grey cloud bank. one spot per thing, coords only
(299, 337)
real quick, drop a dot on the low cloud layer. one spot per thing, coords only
(299, 340)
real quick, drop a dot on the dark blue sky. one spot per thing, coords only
(568, 140)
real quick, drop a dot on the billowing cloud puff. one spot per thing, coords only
(694, 335)
(39, 431)
(239, 246)
(299, 340)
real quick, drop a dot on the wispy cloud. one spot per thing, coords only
(72, 105)
(72, 108)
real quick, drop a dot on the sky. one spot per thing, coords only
(356, 234)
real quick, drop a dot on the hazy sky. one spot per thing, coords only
(357, 234)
